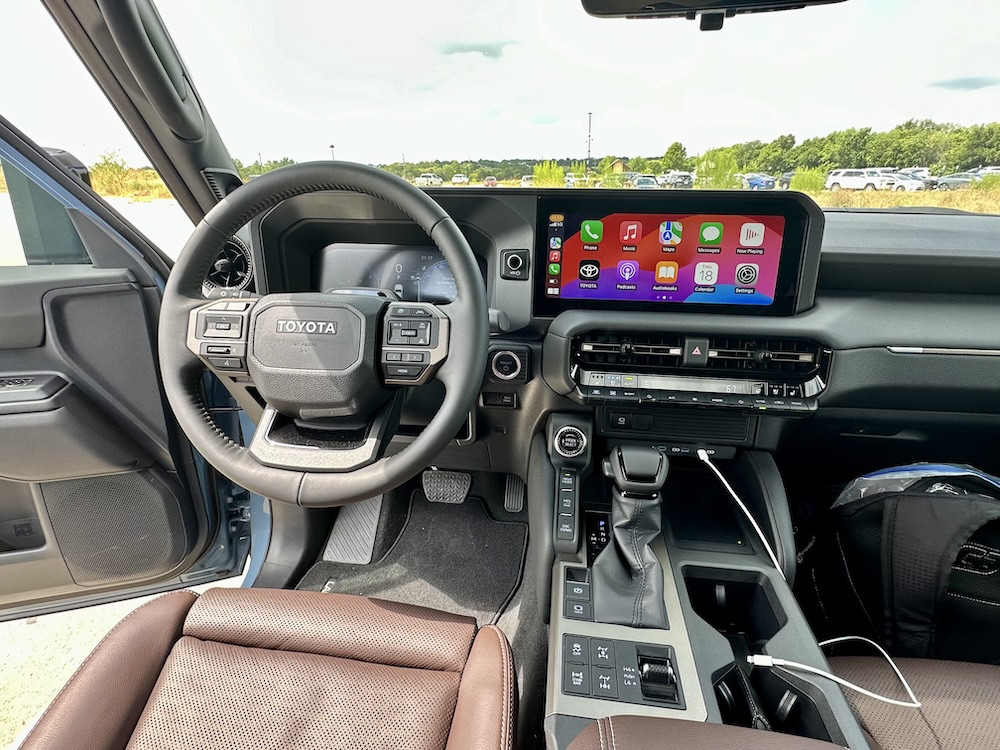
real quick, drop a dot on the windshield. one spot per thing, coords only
(805, 100)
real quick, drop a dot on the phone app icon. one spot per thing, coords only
(554, 269)
(555, 242)
(752, 234)
(554, 256)
(628, 270)
(666, 272)
(710, 233)
(670, 232)
(592, 231)
(746, 274)
(706, 274)
(629, 232)
(590, 270)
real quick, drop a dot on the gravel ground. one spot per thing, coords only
(40, 654)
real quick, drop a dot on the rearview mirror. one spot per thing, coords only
(712, 13)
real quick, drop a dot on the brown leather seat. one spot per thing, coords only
(644, 733)
(960, 703)
(245, 668)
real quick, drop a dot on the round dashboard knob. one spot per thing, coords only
(569, 441)
(505, 365)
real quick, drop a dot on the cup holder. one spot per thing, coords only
(743, 607)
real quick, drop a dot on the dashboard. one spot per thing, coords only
(880, 327)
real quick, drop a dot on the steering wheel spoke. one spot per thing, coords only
(217, 334)
(415, 339)
(324, 445)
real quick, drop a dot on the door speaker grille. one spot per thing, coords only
(120, 527)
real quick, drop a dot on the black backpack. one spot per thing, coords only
(910, 557)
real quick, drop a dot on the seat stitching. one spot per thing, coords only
(600, 734)
(506, 736)
(973, 599)
(94, 651)
(611, 727)
(637, 609)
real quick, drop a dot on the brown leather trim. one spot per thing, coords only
(341, 625)
(487, 696)
(100, 705)
(644, 733)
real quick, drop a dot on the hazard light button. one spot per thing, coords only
(695, 352)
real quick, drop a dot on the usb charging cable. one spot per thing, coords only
(770, 662)
(703, 455)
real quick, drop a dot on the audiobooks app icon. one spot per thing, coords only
(666, 272)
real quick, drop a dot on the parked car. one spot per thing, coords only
(645, 183)
(460, 179)
(756, 181)
(528, 180)
(983, 171)
(428, 179)
(490, 181)
(958, 180)
(924, 173)
(859, 179)
(786, 180)
(573, 179)
(908, 183)
(678, 180)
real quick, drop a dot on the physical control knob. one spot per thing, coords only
(569, 441)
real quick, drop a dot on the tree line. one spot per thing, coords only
(942, 147)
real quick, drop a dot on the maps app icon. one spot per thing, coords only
(670, 232)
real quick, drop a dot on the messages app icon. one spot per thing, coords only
(591, 231)
(711, 233)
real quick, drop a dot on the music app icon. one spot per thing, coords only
(630, 232)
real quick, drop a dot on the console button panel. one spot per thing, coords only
(622, 671)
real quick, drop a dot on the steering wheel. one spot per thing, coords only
(330, 368)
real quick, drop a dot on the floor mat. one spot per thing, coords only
(455, 558)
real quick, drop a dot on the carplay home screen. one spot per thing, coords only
(697, 258)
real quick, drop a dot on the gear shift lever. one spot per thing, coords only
(627, 578)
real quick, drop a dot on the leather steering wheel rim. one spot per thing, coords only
(181, 370)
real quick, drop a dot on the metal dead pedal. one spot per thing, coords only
(513, 494)
(446, 486)
(352, 540)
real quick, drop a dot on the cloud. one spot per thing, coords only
(972, 83)
(490, 50)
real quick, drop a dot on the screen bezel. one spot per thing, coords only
(602, 203)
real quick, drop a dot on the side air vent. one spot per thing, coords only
(232, 269)
(765, 356)
(630, 352)
(221, 181)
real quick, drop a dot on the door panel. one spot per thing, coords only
(101, 496)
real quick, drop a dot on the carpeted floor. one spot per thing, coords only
(456, 558)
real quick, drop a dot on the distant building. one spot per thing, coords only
(619, 165)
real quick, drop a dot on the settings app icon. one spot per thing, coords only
(746, 274)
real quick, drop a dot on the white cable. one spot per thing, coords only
(703, 455)
(769, 662)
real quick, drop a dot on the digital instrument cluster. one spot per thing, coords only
(414, 274)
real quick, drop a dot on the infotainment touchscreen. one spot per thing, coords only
(622, 256)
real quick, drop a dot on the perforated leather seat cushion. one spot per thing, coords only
(284, 670)
(961, 703)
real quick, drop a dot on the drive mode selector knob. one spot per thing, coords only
(569, 441)
(505, 365)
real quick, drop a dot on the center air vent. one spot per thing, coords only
(638, 352)
(728, 356)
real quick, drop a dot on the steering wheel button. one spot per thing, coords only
(226, 363)
(403, 372)
(417, 357)
(408, 333)
(394, 356)
(419, 312)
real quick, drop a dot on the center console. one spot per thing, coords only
(661, 336)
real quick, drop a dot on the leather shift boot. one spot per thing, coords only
(626, 578)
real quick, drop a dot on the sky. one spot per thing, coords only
(461, 79)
